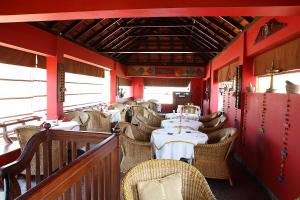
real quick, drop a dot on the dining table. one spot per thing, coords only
(176, 143)
(115, 115)
(60, 125)
(187, 123)
(174, 115)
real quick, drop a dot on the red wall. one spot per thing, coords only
(261, 153)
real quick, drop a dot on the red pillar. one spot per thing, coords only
(54, 108)
(138, 87)
(196, 90)
(113, 85)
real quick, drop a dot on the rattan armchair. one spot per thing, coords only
(98, 122)
(213, 125)
(211, 159)
(80, 117)
(135, 111)
(121, 107)
(150, 118)
(194, 185)
(153, 105)
(191, 109)
(210, 117)
(134, 152)
(24, 133)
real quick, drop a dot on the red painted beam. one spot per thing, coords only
(36, 10)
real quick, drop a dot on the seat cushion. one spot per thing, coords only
(167, 188)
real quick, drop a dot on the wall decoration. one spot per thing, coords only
(189, 71)
(60, 83)
(272, 26)
(283, 152)
(141, 70)
(169, 71)
(238, 87)
(164, 71)
(261, 130)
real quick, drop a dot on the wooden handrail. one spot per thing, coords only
(5, 124)
(97, 167)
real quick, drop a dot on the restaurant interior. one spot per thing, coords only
(150, 100)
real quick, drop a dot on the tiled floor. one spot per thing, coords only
(244, 188)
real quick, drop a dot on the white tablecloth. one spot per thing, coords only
(71, 125)
(184, 116)
(172, 123)
(115, 115)
(169, 144)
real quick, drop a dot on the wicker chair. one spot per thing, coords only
(144, 104)
(191, 109)
(150, 118)
(147, 129)
(134, 131)
(210, 117)
(80, 117)
(135, 111)
(134, 152)
(211, 159)
(24, 133)
(213, 125)
(121, 108)
(153, 105)
(98, 122)
(194, 185)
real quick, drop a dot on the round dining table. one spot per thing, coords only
(176, 143)
(191, 116)
(186, 123)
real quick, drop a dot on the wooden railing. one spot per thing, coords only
(93, 175)
(22, 121)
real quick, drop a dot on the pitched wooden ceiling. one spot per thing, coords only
(181, 41)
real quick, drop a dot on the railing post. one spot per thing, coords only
(6, 187)
(117, 131)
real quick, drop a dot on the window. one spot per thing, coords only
(164, 95)
(263, 82)
(23, 92)
(84, 90)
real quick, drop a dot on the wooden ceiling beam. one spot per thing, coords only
(221, 26)
(159, 51)
(102, 29)
(248, 19)
(104, 38)
(71, 27)
(216, 33)
(88, 28)
(232, 22)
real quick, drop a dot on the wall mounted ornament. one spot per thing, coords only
(272, 26)
(61, 82)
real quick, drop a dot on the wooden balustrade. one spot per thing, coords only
(5, 124)
(59, 173)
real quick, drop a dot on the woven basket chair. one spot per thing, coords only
(146, 129)
(134, 152)
(80, 117)
(211, 159)
(191, 109)
(194, 185)
(135, 111)
(149, 118)
(213, 125)
(210, 117)
(153, 106)
(134, 131)
(121, 108)
(98, 122)
(130, 103)
(144, 104)
(24, 133)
